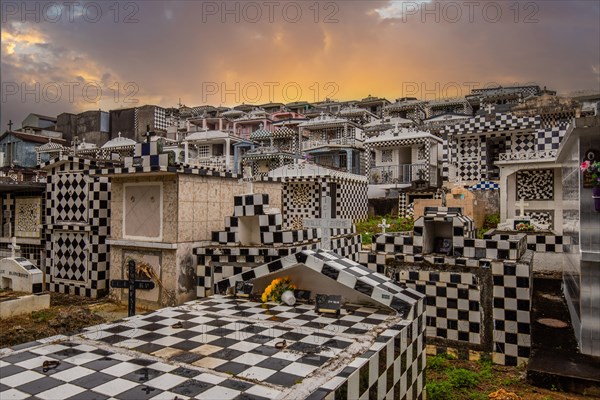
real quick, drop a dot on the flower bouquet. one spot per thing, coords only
(524, 227)
(276, 288)
(591, 171)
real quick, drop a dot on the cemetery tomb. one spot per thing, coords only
(160, 212)
(20, 275)
(225, 347)
(254, 235)
(478, 290)
(76, 227)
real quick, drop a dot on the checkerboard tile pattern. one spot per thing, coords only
(535, 184)
(480, 298)
(550, 138)
(87, 371)
(225, 348)
(35, 253)
(77, 223)
(511, 311)
(346, 272)
(227, 257)
(349, 193)
(472, 144)
(549, 243)
(485, 185)
(453, 303)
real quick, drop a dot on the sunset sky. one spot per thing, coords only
(157, 52)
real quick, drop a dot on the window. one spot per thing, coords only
(204, 150)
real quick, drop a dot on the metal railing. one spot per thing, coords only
(218, 162)
(311, 144)
(398, 174)
(528, 155)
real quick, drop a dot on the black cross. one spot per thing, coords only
(10, 124)
(132, 285)
(149, 133)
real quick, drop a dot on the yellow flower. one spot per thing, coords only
(264, 298)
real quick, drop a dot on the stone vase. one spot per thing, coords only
(596, 197)
(288, 298)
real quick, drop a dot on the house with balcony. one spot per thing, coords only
(244, 125)
(400, 159)
(535, 176)
(334, 142)
(211, 148)
(358, 115)
(407, 108)
(473, 146)
(373, 104)
(272, 151)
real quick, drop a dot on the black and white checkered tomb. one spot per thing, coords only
(77, 223)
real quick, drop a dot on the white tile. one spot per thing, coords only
(82, 358)
(166, 381)
(14, 394)
(21, 377)
(210, 378)
(263, 391)
(257, 373)
(73, 373)
(299, 369)
(249, 358)
(60, 392)
(115, 387)
(120, 369)
(220, 393)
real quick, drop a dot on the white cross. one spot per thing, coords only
(248, 179)
(383, 225)
(14, 247)
(326, 223)
(522, 205)
(489, 108)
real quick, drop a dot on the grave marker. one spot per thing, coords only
(383, 225)
(13, 247)
(131, 284)
(326, 223)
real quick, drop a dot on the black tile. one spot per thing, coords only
(88, 395)
(39, 385)
(17, 358)
(265, 350)
(227, 354)
(142, 375)
(186, 345)
(284, 379)
(185, 372)
(191, 388)
(186, 357)
(235, 384)
(102, 363)
(139, 393)
(93, 380)
(224, 342)
(232, 368)
(273, 363)
(9, 370)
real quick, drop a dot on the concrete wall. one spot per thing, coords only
(193, 207)
(67, 124)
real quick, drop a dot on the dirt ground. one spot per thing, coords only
(68, 315)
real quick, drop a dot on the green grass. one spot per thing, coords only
(455, 382)
(369, 227)
(42, 315)
(491, 221)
